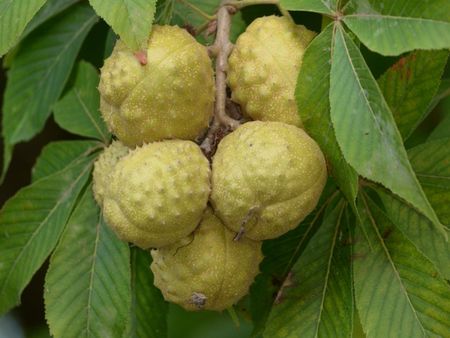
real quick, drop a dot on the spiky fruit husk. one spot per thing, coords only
(264, 66)
(103, 168)
(207, 270)
(170, 97)
(157, 193)
(266, 178)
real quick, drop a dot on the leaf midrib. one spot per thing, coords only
(59, 202)
(391, 262)
(55, 63)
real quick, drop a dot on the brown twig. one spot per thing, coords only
(221, 49)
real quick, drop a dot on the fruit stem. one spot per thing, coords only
(285, 13)
(234, 316)
(221, 49)
(197, 10)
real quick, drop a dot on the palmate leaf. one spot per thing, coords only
(78, 111)
(418, 230)
(48, 11)
(39, 71)
(130, 19)
(365, 128)
(409, 87)
(149, 310)
(280, 256)
(312, 96)
(317, 6)
(87, 286)
(31, 223)
(14, 16)
(316, 299)
(431, 162)
(55, 156)
(392, 27)
(398, 291)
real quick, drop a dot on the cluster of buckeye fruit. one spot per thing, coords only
(203, 219)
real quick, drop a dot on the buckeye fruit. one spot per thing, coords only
(266, 178)
(157, 193)
(264, 66)
(207, 270)
(104, 166)
(171, 96)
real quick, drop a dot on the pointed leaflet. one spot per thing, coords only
(365, 128)
(31, 223)
(410, 85)
(57, 155)
(431, 162)
(392, 27)
(48, 11)
(317, 6)
(40, 70)
(280, 254)
(130, 19)
(88, 280)
(312, 95)
(418, 230)
(149, 310)
(14, 16)
(317, 299)
(78, 111)
(398, 291)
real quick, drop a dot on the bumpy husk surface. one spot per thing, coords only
(264, 66)
(169, 97)
(157, 193)
(103, 168)
(207, 270)
(266, 178)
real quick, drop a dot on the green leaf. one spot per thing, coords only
(30, 225)
(40, 70)
(149, 310)
(262, 293)
(317, 6)
(418, 230)
(51, 9)
(431, 162)
(280, 256)
(365, 128)
(389, 35)
(312, 95)
(398, 291)
(87, 287)
(130, 19)
(410, 85)
(316, 299)
(57, 155)
(14, 16)
(78, 111)
(392, 27)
